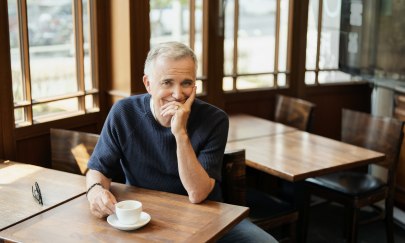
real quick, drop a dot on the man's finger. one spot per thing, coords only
(95, 209)
(106, 203)
(190, 99)
(111, 203)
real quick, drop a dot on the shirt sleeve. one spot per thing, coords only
(107, 153)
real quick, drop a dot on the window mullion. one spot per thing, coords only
(192, 23)
(318, 47)
(277, 43)
(78, 33)
(93, 50)
(25, 57)
(205, 40)
(235, 44)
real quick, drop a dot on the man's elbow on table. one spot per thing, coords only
(196, 197)
(201, 195)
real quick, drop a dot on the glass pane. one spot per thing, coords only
(229, 37)
(255, 81)
(19, 115)
(90, 103)
(333, 77)
(283, 37)
(310, 77)
(199, 84)
(312, 33)
(169, 21)
(329, 53)
(256, 36)
(61, 107)
(52, 50)
(227, 83)
(88, 84)
(282, 79)
(16, 71)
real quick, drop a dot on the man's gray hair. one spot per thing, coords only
(170, 50)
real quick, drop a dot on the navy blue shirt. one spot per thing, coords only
(134, 144)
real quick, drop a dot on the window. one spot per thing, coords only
(322, 57)
(181, 20)
(51, 59)
(256, 44)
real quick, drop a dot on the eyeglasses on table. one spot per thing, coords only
(36, 193)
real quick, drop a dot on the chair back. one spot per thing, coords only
(294, 112)
(71, 150)
(381, 134)
(234, 177)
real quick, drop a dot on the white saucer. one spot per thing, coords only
(143, 220)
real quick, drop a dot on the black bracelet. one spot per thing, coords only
(92, 186)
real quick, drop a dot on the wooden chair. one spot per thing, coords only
(71, 150)
(234, 177)
(356, 189)
(266, 211)
(293, 112)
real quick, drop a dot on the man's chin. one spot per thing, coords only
(165, 121)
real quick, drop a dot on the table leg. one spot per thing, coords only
(302, 200)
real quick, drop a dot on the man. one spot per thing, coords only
(165, 140)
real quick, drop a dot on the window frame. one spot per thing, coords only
(235, 74)
(318, 70)
(28, 102)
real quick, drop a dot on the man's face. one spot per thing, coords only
(171, 80)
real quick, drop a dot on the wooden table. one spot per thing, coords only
(174, 219)
(16, 200)
(298, 155)
(242, 126)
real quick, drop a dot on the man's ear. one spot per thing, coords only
(146, 82)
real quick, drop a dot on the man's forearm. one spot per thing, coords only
(193, 176)
(94, 176)
(100, 198)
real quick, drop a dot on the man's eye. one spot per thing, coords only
(187, 84)
(166, 83)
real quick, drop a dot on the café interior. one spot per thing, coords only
(314, 91)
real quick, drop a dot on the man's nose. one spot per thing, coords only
(177, 92)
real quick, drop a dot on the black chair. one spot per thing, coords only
(266, 211)
(355, 189)
(234, 177)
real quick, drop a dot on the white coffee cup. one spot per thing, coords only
(128, 211)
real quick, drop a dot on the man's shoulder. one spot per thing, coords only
(133, 99)
(129, 107)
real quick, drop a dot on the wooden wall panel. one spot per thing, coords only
(120, 46)
(262, 108)
(7, 144)
(35, 150)
(329, 102)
